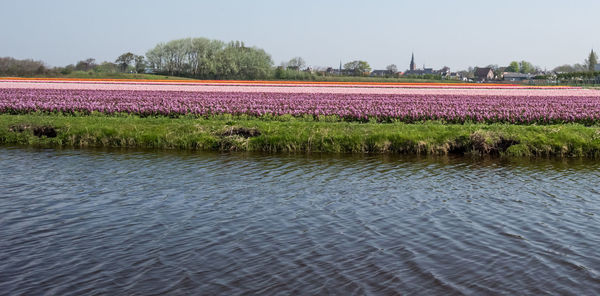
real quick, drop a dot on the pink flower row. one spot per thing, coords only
(302, 89)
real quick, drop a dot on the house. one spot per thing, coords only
(333, 71)
(380, 73)
(423, 71)
(513, 76)
(444, 71)
(454, 76)
(484, 74)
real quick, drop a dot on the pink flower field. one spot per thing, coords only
(408, 103)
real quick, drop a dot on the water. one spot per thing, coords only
(91, 222)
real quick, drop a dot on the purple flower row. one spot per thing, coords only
(404, 107)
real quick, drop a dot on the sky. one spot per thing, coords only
(453, 33)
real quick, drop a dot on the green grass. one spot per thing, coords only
(300, 76)
(100, 75)
(308, 77)
(115, 75)
(380, 79)
(290, 134)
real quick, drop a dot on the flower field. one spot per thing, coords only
(455, 103)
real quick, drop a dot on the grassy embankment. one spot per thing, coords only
(301, 77)
(372, 79)
(289, 134)
(305, 78)
(107, 75)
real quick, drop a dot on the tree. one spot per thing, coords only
(155, 57)
(357, 68)
(591, 61)
(13, 67)
(513, 67)
(140, 64)
(239, 62)
(563, 69)
(86, 65)
(296, 63)
(107, 67)
(68, 69)
(279, 73)
(124, 60)
(205, 51)
(499, 71)
(526, 67)
(579, 67)
(392, 69)
(470, 72)
(209, 59)
(570, 68)
(463, 73)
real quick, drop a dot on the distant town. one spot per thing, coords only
(515, 72)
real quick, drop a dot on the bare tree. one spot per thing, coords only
(86, 65)
(212, 59)
(14, 67)
(392, 69)
(296, 63)
(140, 64)
(124, 60)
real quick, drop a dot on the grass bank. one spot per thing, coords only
(290, 134)
(107, 75)
(101, 75)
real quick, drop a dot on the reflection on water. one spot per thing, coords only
(76, 222)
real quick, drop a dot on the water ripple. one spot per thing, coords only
(93, 222)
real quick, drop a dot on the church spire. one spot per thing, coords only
(412, 62)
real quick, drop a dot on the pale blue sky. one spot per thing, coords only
(457, 33)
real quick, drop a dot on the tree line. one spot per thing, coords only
(199, 58)
(13, 67)
(209, 59)
(204, 58)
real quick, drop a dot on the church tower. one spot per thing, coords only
(413, 66)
